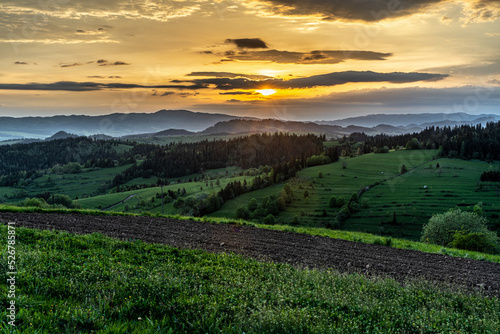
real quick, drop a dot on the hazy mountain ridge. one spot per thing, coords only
(115, 125)
(273, 125)
(414, 120)
(186, 123)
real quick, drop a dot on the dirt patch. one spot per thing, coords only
(277, 246)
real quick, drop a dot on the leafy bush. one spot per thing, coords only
(270, 220)
(333, 202)
(63, 200)
(242, 213)
(485, 242)
(441, 228)
(383, 241)
(413, 144)
(253, 204)
(34, 202)
(384, 149)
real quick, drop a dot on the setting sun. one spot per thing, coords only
(266, 92)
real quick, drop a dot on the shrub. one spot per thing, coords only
(486, 242)
(333, 224)
(242, 213)
(59, 199)
(333, 202)
(441, 228)
(403, 169)
(270, 220)
(35, 202)
(295, 220)
(365, 203)
(253, 204)
(413, 144)
(478, 209)
(384, 149)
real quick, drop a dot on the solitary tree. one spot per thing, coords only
(403, 169)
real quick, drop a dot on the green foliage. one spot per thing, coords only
(306, 193)
(403, 169)
(63, 200)
(485, 242)
(340, 201)
(333, 202)
(384, 149)
(269, 220)
(253, 204)
(442, 227)
(242, 213)
(320, 174)
(280, 202)
(317, 160)
(478, 209)
(179, 203)
(413, 144)
(383, 241)
(34, 202)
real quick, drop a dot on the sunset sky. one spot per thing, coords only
(300, 60)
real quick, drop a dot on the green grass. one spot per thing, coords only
(359, 173)
(415, 196)
(74, 284)
(211, 173)
(74, 185)
(192, 188)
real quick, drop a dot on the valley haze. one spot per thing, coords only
(184, 122)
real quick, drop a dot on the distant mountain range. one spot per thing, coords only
(415, 120)
(115, 125)
(183, 123)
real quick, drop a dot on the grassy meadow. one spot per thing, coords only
(395, 205)
(73, 284)
(427, 190)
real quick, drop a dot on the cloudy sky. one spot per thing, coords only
(290, 59)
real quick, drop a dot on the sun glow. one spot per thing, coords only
(266, 92)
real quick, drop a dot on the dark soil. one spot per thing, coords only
(285, 247)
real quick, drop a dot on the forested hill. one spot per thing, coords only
(24, 160)
(21, 161)
(464, 142)
(252, 151)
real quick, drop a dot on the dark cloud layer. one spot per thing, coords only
(86, 86)
(21, 63)
(70, 65)
(238, 93)
(313, 57)
(323, 80)
(228, 75)
(103, 62)
(248, 43)
(330, 79)
(354, 10)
